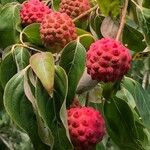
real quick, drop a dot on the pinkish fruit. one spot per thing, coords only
(86, 127)
(74, 8)
(33, 11)
(56, 30)
(108, 60)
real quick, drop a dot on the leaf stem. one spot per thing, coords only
(85, 13)
(26, 46)
(21, 37)
(123, 18)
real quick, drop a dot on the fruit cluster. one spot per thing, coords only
(33, 11)
(74, 8)
(86, 127)
(108, 60)
(56, 29)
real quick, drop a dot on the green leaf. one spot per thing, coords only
(31, 34)
(60, 94)
(141, 97)
(120, 124)
(55, 4)
(29, 89)
(86, 40)
(144, 135)
(6, 1)
(82, 32)
(144, 21)
(9, 24)
(146, 4)
(1, 98)
(1, 94)
(53, 110)
(73, 62)
(43, 66)
(127, 96)
(8, 69)
(131, 35)
(20, 109)
(21, 56)
(82, 23)
(109, 6)
(95, 24)
(44, 103)
(100, 146)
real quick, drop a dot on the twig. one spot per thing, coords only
(6, 143)
(85, 13)
(123, 18)
(136, 4)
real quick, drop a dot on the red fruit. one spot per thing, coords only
(86, 127)
(33, 11)
(74, 7)
(108, 60)
(56, 30)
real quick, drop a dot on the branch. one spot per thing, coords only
(85, 13)
(123, 19)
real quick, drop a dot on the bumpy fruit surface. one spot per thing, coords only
(33, 11)
(108, 60)
(74, 7)
(86, 127)
(56, 30)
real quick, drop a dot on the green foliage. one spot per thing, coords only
(20, 109)
(43, 66)
(73, 62)
(146, 4)
(10, 134)
(55, 4)
(21, 56)
(53, 111)
(86, 40)
(141, 98)
(8, 68)
(94, 25)
(121, 124)
(31, 34)
(109, 6)
(144, 21)
(37, 87)
(10, 24)
(132, 35)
